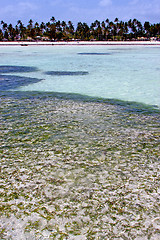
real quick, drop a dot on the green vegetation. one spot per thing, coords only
(101, 31)
(78, 170)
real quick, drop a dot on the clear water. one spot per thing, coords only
(129, 73)
(79, 169)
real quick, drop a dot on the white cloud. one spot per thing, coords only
(21, 10)
(27, 6)
(104, 3)
(144, 9)
(18, 9)
(84, 11)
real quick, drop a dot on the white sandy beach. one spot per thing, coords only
(26, 43)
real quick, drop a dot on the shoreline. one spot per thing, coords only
(80, 43)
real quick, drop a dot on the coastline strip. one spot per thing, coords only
(78, 43)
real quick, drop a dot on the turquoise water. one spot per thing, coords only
(75, 167)
(129, 73)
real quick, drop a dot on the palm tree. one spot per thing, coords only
(70, 30)
(63, 24)
(147, 29)
(157, 30)
(96, 30)
(51, 30)
(16, 32)
(22, 29)
(31, 30)
(11, 32)
(82, 31)
(37, 29)
(71, 27)
(30, 25)
(62, 30)
(79, 31)
(107, 20)
(111, 30)
(4, 25)
(140, 31)
(52, 19)
(92, 29)
(116, 27)
(58, 26)
(116, 20)
(5, 31)
(125, 30)
(42, 28)
(1, 35)
(103, 26)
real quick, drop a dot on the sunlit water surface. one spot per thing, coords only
(75, 167)
(130, 73)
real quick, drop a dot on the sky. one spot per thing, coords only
(79, 10)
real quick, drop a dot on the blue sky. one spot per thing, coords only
(79, 10)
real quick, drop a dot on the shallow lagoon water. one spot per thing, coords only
(130, 73)
(74, 166)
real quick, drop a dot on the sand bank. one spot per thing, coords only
(37, 43)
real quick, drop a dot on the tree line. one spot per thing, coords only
(61, 30)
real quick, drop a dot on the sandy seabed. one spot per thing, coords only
(75, 169)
